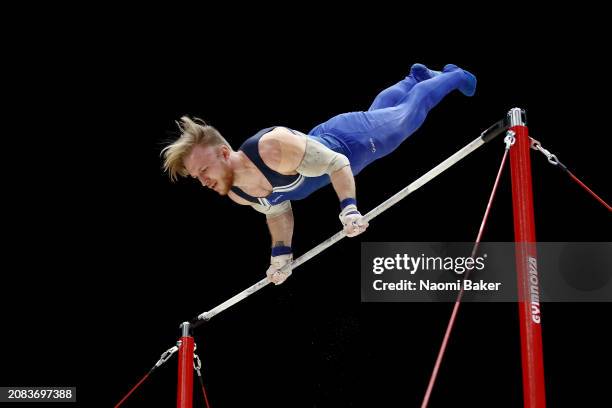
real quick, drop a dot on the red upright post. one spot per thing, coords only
(184, 396)
(526, 264)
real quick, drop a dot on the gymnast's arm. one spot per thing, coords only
(278, 217)
(280, 223)
(289, 153)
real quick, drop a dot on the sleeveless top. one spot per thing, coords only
(285, 187)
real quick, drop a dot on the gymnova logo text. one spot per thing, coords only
(534, 289)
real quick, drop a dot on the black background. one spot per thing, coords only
(104, 257)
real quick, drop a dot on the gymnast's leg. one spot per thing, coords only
(373, 134)
(394, 95)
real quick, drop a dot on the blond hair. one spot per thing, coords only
(193, 132)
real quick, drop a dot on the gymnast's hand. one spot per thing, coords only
(352, 221)
(276, 263)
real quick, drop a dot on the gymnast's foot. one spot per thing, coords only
(421, 73)
(468, 86)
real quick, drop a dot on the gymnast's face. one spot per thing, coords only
(211, 166)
